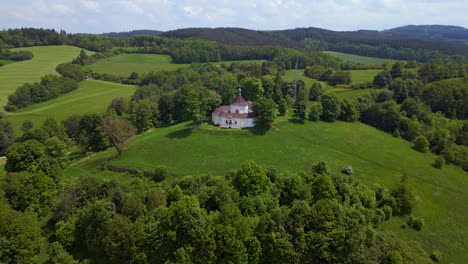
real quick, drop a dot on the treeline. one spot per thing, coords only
(363, 42)
(15, 55)
(50, 87)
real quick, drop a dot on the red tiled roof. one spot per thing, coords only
(240, 101)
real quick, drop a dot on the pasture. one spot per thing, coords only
(45, 59)
(359, 59)
(125, 64)
(376, 157)
(363, 76)
(91, 96)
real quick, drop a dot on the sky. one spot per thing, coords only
(98, 16)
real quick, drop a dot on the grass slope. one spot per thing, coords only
(376, 157)
(125, 64)
(91, 96)
(363, 76)
(45, 59)
(358, 59)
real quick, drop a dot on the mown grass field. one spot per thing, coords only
(376, 157)
(91, 96)
(363, 76)
(358, 59)
(45, 59)
(125, 64)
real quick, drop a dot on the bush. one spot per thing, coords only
(160, 173)
(416, 222)
(315, 111)
(436, 255)
(393, 257)
(421, 144)
(439, 162)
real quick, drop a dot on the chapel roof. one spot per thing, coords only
(240, 101)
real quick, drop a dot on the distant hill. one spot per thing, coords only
(147, 32)
(430, 32)
(393, 43)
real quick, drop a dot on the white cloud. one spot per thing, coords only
(122, 15)
(91, 5)
(62, 9)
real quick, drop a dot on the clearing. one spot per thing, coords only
(358, 58)
(91, 96)
(45, 59)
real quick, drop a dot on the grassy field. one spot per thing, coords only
(46, 58)
(358, 59)
(91, 96)
(363, 76)
(125, 64)
(376, 157)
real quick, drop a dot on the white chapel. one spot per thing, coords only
(237, 115)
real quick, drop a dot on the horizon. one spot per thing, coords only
(97, 17)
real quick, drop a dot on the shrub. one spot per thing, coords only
(160, 173)
(393, 257)
(415, 222)
(436, 255)
(439, 162)
(421, 144)
(315, 111)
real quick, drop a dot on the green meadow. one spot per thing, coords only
(358, 59)
(45, 59)
(91, 96)
(125, 64)
(5, 62)
(376, 157)
(363, 76)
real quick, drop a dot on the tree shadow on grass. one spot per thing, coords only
(259, 131)
(296, 121)
(182, 133)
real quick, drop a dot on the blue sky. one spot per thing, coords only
(96, 16)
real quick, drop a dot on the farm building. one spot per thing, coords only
(237, 115)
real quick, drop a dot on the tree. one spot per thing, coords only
(252, 88)
(348, 111)
(58, 255)
(27, 125)
(7, 136)
(141, 115)
(331, 107)
(266, 112)
(397, 70)
(316, 71)
(119, 105)
(72, 126)
(315, 111)
(91, 136)
(382, 79)
(404, 197)
(400, 90)
(316, 90)
(421, 144)
(300, 111)
(340, 77)
(118, 130)
(251, 179)
(29, 155)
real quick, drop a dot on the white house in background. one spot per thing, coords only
(237, 115)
